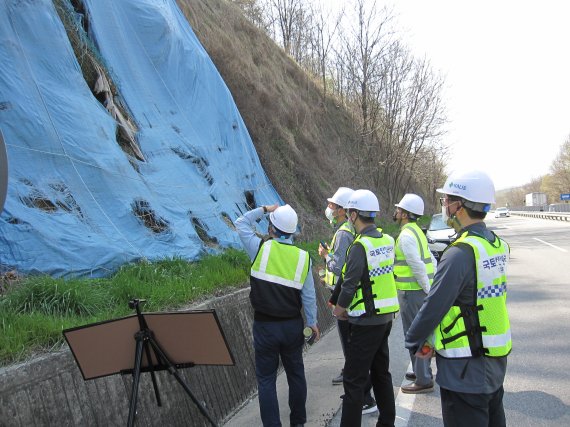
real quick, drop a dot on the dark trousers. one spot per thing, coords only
(472, 410)
(367, 356)
(344, 332)
(271, 341)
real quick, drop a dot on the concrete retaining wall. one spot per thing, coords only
(50, 391)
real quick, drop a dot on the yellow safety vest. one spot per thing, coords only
(281, 264)
(378, 295)
(277, 276)
(405, 279)
(487, 319)
(330, 278)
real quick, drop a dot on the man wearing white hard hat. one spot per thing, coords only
(369, 301)
(334, 256)
(281, 284)
(464, 318)
(413, 270)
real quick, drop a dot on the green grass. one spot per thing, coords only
(34, 312)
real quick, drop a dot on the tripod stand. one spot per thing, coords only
(145, 341)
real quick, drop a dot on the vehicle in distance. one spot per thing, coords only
(535, 199)
(439, 235)
(502, 213)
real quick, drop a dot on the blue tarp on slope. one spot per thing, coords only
(73, 193)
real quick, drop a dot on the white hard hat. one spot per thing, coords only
(412, 203)
(475, 186)
(363, 201)
(284, 218)
(341, 196)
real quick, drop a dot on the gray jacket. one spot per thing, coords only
(454, 281)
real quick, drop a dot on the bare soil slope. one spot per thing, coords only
(303, 140)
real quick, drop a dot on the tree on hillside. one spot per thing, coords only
(399, 102)
(361, 54)
(324, 32)
(560, 170)
(291, 19)
(410, 120)
(429, 175)
(255, 11)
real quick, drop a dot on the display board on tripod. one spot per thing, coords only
(188, 338)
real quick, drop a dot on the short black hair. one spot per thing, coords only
(281, 234)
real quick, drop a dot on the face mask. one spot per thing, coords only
(395, 217)
(329, 214)
(451, 221)
(349, 220)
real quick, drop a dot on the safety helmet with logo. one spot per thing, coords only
(475, 188)
(341, 196)
(412, 203)
(365, 202)
(284, 218)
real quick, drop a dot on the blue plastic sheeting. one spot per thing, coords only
(76, 202)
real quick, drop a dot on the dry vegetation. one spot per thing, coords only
(302, 141)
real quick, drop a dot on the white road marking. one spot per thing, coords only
(404, 404)
(550, 244)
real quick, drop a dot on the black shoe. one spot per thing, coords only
(410, 376)
(297, 425)
(369, 406)
(338, 380)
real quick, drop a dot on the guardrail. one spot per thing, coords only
(556, 216)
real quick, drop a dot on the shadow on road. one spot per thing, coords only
(536, 404)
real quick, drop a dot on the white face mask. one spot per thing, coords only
(329, 214)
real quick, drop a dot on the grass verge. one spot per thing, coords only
(34, 312)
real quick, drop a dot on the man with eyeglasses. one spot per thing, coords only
(464, 318)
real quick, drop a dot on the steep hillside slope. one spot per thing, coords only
(124, 144)
(303, 141)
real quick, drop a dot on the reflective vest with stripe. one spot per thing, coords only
(277, 275)
(330, 278)
(378, 295)
(405, 279)
(482, 329)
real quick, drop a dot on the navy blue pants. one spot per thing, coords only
(271, 341)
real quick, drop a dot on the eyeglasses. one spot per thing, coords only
(444, 201)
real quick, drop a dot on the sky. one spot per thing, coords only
(507, 70)
(506, 65)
